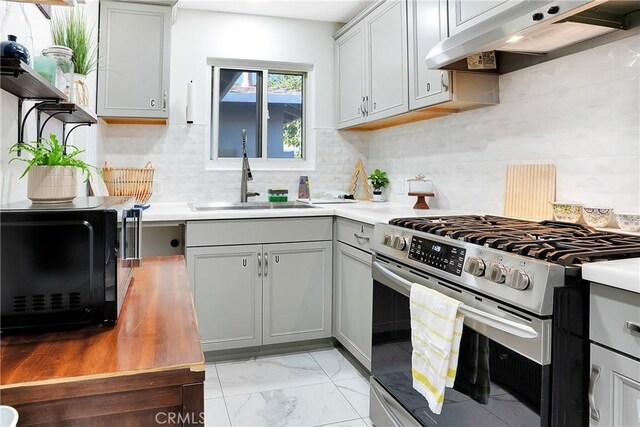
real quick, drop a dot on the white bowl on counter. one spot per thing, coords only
(628, 221)
(566, 212)
(597, 217)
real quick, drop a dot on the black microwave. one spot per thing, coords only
(66, 265)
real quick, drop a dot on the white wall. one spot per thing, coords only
(580, 112)
(178, 151)
(12, 188)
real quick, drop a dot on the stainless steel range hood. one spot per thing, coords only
(535, 31)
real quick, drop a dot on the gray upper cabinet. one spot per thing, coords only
(351, 74)
(427, 26)
(133, 60)
(387, 58)
(464, 14)
(371, 65)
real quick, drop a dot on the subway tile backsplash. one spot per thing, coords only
(178, 154)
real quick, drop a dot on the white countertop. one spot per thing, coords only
(367, 212)
(622, 273)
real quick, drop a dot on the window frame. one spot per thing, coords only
(308, 160)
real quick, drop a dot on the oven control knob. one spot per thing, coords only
(386, 239)
(399, 243)
(474, 266)
(496, 273)
(517, 279)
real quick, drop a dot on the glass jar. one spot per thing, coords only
(64, 68)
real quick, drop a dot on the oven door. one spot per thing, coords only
(503, 370)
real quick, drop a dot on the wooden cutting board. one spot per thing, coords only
(529, 189)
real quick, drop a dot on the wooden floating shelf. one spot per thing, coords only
(73, 113)
(23, 81)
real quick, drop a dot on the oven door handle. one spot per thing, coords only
(504, 325)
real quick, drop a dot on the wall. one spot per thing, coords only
(580, 112)
(178, 151)
(12, 188)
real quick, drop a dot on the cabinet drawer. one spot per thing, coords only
(354, 233)
(611, 309)
(253, 231)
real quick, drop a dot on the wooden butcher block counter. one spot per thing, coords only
(148, 369)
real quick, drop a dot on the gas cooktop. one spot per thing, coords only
(566, 244)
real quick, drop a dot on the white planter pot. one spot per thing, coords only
(379, 197)
(80, 90)
(52, 184)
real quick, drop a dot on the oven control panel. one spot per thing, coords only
(438, 255)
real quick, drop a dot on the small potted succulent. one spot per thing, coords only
(52, 171)
(379, 180)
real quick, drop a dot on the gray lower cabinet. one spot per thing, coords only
(250, 292)
(614, 384)
(353, 301)
(615, 391)
(226, 283)
(297, 292)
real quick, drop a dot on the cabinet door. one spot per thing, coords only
(427, 26)
(227, 290)
(133, 60)
(616, 390)
(387, 58)
(353, 301)
(464, 14)
(350, 76)
(297, 291)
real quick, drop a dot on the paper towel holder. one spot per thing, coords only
(191, 91)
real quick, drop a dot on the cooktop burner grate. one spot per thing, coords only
(558, 242)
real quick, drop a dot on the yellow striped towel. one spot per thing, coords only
(436, 328)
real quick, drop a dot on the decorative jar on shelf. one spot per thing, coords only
(64, 68)
(10, 48)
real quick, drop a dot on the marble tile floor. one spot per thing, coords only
(312, 388)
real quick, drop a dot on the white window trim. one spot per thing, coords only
(309, 149)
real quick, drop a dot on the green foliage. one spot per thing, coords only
(285, 81)
(50, 152)
(292, 136)
(69, 29)
(378, 179)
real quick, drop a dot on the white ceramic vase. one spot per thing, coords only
(80, 90)
(52, 184)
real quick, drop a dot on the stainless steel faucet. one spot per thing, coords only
(246, 172)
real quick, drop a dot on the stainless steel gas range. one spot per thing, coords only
(523, 357)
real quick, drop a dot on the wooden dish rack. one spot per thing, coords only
(134, 182)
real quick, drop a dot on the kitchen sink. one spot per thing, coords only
(198, 207)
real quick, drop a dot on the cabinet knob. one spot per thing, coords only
(553, 10)
(537, 16)
(152, 102)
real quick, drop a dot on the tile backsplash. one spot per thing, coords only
(580, 112)
(178, 154)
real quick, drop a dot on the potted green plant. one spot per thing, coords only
(52, 172)
(379, 180)
(69, 28)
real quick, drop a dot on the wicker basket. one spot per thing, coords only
(134, 182)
